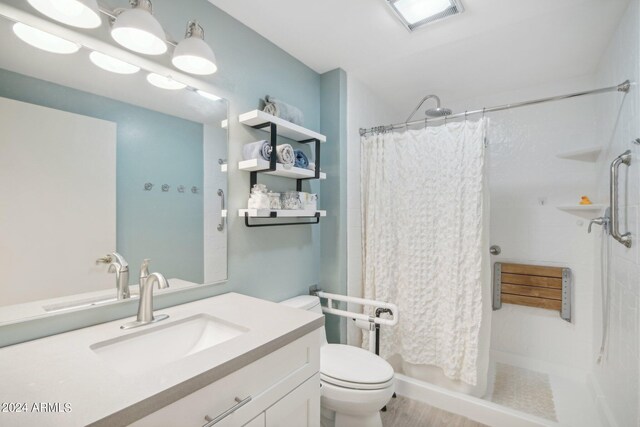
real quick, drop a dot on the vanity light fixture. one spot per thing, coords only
(43, 40)
(416, 13)
(164, 82)
(193, 55)
(114, 65)
(208, 95)
(77, 13)
(137, 29)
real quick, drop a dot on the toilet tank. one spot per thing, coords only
(309, 303)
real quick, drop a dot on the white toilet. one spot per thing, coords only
(356, 383)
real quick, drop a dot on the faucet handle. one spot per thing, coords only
(599, 221)
(107, 259)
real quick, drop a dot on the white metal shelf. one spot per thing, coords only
(587, 154)
(253, 165)
(257, 118)
(284, 213)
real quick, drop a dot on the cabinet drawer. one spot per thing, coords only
(264, 381)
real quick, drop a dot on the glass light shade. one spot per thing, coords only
(77, 13)
(114, 65)
(208, 95)
(164, 82)
(414, 11)
(193, 55)
(137, 30)
(43, 40)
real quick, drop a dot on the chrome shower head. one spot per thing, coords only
(432, 112)
(437, 112)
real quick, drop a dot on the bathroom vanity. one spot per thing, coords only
(230, 360)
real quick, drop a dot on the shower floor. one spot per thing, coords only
(544, 393)
(523, 394)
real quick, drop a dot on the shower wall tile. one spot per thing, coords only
(616, 378)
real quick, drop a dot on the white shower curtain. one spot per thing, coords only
(422, 219)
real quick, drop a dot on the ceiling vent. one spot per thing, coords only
(416, 13)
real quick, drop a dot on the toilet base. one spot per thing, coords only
(332, 419)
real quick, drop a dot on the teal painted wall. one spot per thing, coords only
(151, 147)
(333, 124)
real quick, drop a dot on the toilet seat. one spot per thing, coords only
(354, 386)
(354, 368)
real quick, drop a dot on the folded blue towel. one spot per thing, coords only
(301, 159)
(257, 150)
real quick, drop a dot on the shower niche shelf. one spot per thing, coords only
(582, 208)
(278, 127)
(588, 154)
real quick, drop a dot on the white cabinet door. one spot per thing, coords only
(300, 408)
(256, 422)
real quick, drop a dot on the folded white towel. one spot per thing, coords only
(285, 155)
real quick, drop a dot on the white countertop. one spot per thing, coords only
(63, 369)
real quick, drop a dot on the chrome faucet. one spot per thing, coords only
(145, 307)
(118, 265)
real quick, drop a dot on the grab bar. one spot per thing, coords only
(222, 213)
(624, 158)
(361, 301)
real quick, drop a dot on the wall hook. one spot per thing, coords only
(165, 188)
(148, 186)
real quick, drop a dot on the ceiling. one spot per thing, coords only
(494, 46)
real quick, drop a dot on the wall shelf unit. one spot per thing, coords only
(587, 154)
(260, 120)
(279, 127)
(293, 172)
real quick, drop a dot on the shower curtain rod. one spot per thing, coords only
(622, 87)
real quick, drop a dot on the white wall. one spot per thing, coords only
(58, 173)
(364, 110)
(616, 379)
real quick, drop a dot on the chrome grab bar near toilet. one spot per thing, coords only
(624, 158)
(361, 301)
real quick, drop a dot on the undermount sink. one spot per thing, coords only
(162, 344)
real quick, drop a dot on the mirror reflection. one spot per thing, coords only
(101, 171)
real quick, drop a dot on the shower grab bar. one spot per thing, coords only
(360, 301)
(622, 159)
(222, 210)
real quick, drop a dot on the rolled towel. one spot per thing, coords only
(312, 166)
(301, 159)
(283, 110)
(257, 150)
(285, 154)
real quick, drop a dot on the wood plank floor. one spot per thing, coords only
(403, 412)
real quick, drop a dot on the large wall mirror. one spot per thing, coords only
(94, 163)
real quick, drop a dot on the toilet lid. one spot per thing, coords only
(353, 365)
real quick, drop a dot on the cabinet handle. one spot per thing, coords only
(240, 403)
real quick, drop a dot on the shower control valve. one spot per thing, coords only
(602, 220)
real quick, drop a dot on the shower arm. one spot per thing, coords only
(415, 110)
